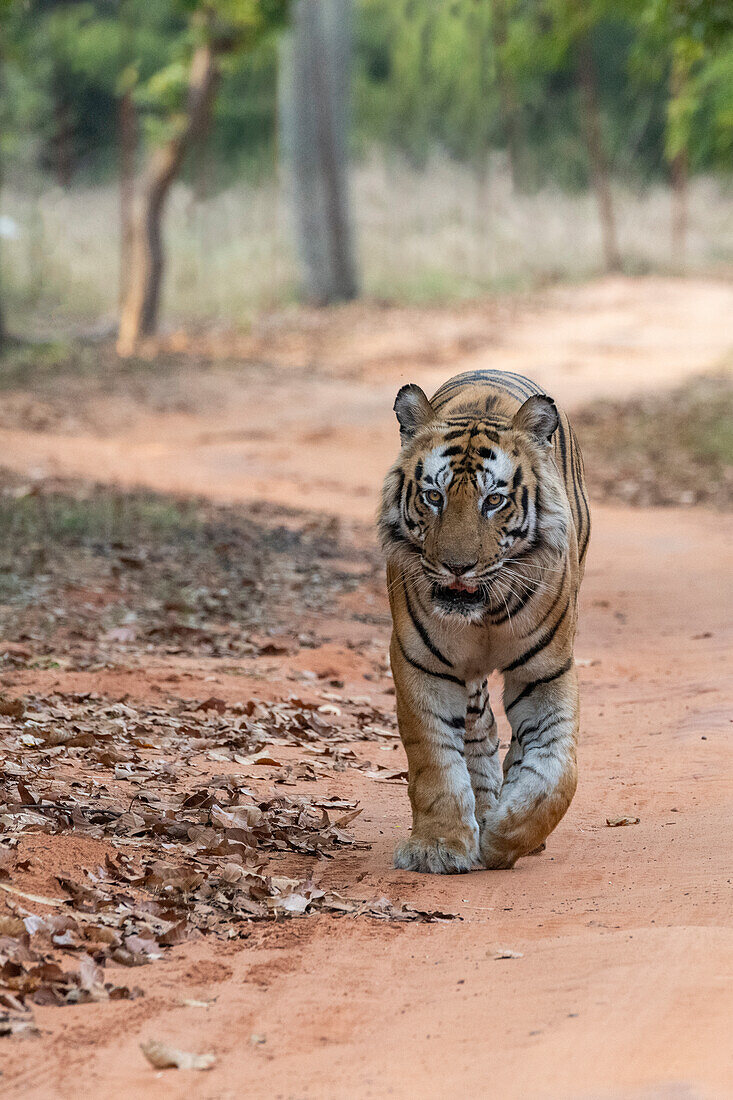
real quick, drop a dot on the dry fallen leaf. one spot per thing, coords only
(12, 708)
(163, 1056)
(507, 953)
(614, 822)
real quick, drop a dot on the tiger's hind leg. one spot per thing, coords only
(482, 749)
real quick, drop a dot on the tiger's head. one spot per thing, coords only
(473, 507)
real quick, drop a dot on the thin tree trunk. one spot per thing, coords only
(201, 181)
(140, 311)
(679, 170)
(314, 111)
(597, 154)
(680, 208)
(128, 145)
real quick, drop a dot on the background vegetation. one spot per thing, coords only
(489, 143)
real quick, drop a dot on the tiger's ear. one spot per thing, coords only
(413, 410)
(537, 417)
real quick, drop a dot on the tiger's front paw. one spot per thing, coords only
(442, 855)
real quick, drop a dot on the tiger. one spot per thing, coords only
(484, 522)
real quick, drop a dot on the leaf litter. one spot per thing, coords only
(190, 854)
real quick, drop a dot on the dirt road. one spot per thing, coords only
(299, 412)
(623, 984)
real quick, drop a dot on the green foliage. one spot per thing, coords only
(427, 74)
(68, 61)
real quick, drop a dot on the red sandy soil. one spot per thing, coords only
(623, 988)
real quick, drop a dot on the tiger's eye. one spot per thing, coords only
(433, 496)
(493, 500)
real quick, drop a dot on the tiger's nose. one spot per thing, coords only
(458, 568)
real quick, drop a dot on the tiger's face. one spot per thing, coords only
(470, 500)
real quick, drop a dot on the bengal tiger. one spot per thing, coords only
(485, 524)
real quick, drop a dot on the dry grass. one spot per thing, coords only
(672, 448)
(438, 233)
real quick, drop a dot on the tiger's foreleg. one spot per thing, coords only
(540, 769)
(431, 712)
(482, 749)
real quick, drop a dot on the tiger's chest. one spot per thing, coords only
(476, 650)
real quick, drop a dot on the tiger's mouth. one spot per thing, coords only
(459, 597)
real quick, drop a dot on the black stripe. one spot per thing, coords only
(396, 535)
(576, 494)
(427, 671)
(508, 381)
(529, 688)
(521, 601)
(527, 385)
(400, 486)
(478, 710)
(563, 451)
(513, 387)
(552, 606)
(539, 729)
(423, 632)
(448, 746)
(528, 767)
(540, 645)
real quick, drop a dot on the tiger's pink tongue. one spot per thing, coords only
(463, 586)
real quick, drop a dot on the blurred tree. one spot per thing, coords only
(127, 137)
(575, 91)
(507, 85)
(599, 168)
(212, 30)
(568, 28)
(695, 38)
(316, 77)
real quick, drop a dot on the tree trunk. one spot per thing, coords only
(596, 153)
(201, 180)
(507, 96)
(128, 145)
(679, 170)
(314, 111)
(140, 311)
